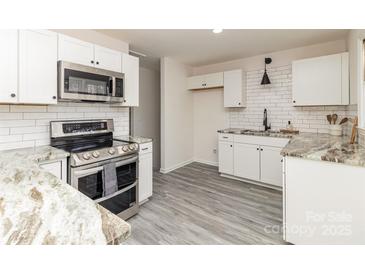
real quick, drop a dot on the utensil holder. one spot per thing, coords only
(335, 130)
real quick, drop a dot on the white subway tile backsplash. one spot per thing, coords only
(27, 108)
(4, 131)
(276, 98)
(4, 108)
(10, 138)
(28, 125)
(10, 116)
(16, 123)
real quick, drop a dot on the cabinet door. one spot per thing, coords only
(271, 165)
(58, 169)
(145, 176)
(9, 66)
(75, 51)
(108, 59)
(233, 88)
(196, 82)
(130, 68)
(318, 81)
(225, 157)
(214, 80)
(37, 67)
(247, 161)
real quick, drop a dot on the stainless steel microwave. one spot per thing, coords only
(83, 83)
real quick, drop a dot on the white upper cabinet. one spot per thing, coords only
(108, 59)
(321, 81)
(75, 51)
(37, 67)
(213, 80)
(9, 66)
(234, 94)
(130, 68)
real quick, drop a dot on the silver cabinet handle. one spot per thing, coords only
(13, 95)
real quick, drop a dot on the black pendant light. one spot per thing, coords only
(265, 79)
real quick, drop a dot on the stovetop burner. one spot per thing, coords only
(89, 143)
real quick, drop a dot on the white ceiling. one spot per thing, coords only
(203, 47)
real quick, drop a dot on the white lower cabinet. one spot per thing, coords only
(323, 202)
(57, 168)
(225, 157)
(271, 165)
(247, 161)
(145, 172)
(254, 158)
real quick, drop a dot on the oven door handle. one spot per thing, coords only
(126, 162)
(116, 193)
(88, 171)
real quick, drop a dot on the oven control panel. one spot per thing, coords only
(102, 154)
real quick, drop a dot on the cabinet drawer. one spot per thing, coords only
(259, 140)
(225, 137)
(145, 148)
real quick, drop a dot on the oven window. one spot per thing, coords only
(87, 83)
(121, 202)
(91, 185)
(126, 175)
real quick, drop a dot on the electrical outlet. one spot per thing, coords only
(214, 150)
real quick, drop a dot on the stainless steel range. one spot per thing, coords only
(101, 168)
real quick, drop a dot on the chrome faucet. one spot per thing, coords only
(265, 120)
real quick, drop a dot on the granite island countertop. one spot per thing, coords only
(134, 139)
(37, 208)
(252, 132)
(324, 147)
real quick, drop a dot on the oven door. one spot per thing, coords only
(89, 181)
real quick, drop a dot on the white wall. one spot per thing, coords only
(146, 117)
(95, 37)
(176, 115)
(275, 98)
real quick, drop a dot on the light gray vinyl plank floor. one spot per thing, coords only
(194, 205)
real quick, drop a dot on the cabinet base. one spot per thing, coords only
(251, 181)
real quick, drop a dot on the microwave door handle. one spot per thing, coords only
(113, 86)
(89, 171)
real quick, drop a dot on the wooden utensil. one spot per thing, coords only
(354, 130)
(334, 118)
(344, 120)
(329, 118)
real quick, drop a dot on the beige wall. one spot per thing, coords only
(146, 117)
(209, 113)
(176, 115)
(93, 36)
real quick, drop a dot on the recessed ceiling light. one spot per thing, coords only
(217, 30)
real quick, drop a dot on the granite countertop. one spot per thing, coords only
(37, 208)
(268, 133)
(134, 139)
(324, 147)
